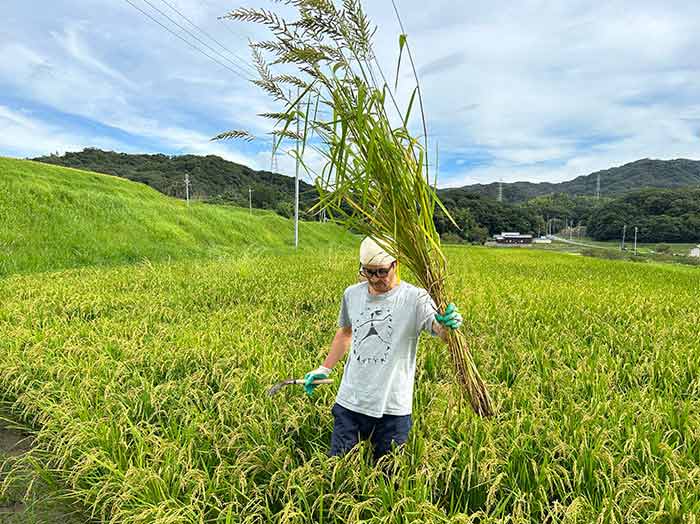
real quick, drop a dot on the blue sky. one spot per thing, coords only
(515, 91)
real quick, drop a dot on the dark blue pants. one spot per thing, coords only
(350, 427)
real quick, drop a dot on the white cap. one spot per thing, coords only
(372, 254)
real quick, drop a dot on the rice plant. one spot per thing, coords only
(146, 386)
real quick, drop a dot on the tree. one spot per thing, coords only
(285, 209)
(662, 215)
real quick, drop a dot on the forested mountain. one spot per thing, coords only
(614, 182)
(212, 178)
(661, 215)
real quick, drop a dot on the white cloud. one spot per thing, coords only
(25, 136)
(70, 40)
(533, 93)
(132, 77)
(536, 90)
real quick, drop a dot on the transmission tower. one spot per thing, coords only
(274, 167)
(597, 188)
(500, 190)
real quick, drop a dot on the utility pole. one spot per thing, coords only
(187, 188)
(624, 230)
(250, 200)
(296, 183)
(635, 240)
(597, 188)
(500, 190)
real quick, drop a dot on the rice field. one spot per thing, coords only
(146, 387)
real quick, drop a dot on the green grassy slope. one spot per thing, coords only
(211, 176)
(55, 218)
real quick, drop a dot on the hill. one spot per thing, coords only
(616, 181)
(56, 218)
(660, 215)
(217, 180)
(212, 178)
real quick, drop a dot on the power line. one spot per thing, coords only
(242, 60)
(222, 19)
(244, 38)
(197, 38)
(185, 40)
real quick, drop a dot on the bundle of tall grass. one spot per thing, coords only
(375, 178)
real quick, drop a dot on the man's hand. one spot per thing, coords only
(340, 344)
(451, 318)
(319, 372)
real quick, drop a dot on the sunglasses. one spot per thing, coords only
(381, 272)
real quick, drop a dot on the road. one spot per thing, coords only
(566, 241)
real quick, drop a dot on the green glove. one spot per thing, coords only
(451, 318)
(318, 373)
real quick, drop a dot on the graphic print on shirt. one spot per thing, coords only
(371, 337)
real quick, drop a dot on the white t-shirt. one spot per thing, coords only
(381, 363)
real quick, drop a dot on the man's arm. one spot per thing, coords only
(440, 331)
(339, 346)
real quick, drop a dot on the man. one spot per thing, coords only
(381, 320)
